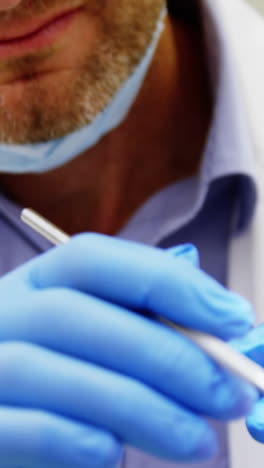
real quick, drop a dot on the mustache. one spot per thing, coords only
(31, 8)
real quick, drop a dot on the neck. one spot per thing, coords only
(160, 142)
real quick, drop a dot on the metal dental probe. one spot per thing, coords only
(217, 349)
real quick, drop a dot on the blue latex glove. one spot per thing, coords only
(81, 374)
(253, 346)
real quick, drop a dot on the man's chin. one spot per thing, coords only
(41, 102)
(40, 107)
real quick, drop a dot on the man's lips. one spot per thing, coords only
(35, 36)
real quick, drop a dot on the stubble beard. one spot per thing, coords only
(63, 102)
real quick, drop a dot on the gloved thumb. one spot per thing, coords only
(255, 421)
(186, 251)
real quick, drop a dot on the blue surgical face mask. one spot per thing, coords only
(41, 157)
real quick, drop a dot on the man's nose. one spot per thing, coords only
(8, 4)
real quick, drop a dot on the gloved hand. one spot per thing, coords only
(252, 345)
(81, 373)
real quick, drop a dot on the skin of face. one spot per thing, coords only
(58, 89)
(161, 140)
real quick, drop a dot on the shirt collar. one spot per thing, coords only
(229, 147)
(228, 150)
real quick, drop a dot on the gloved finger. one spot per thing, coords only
(141, 277)
(187, 251)
(34, 377)
(255, 421)
(252, 344)
(113, 337)
(38, 439)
